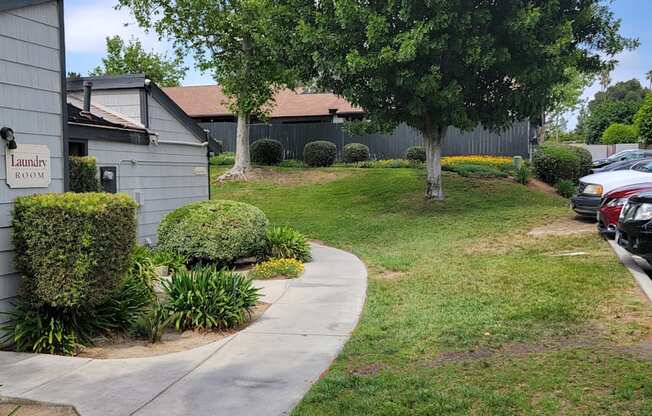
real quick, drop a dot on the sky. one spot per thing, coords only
(89, 22)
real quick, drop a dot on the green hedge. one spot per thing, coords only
(266, 152)
(416, 154)
(73, 249)
(83, 175)
(643, 120)
(620, 133)
(216, 232)
(321, 153)
(553, 163)
(355, 152)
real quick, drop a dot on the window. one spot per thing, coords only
(77, 148)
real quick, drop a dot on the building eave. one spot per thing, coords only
(17, 4)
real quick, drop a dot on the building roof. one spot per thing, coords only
(140, 81)
(100, 115)
(210, 101)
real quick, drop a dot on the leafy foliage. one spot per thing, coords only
(217, 232)
(620, 133)
(605, 113)
(288, 268)
(131, 58)
(643, 119)
(566, 188)
(83, 174)
(355, 152)
(206, 299)
(266, 152)
(475, 170)
(320, 153)
(553, 163)
(73, 249)
(173, 261)
(285, 242)
(416, 154)
(223, 159)
(439, 64)
(523, 175)
(152, 324)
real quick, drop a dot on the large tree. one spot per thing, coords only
(248, 45)
(131, 58)
(439, 63)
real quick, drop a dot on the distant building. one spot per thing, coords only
(208, 104)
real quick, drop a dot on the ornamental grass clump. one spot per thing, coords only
(285, 242)
(213, 232)
(209, 299)
(270, 269)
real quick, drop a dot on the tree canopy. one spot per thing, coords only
(248, 46)
(132, 58)
(434, 64)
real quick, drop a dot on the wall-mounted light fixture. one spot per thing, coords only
(8, 134)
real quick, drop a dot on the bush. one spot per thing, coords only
(620, 133)
(173, 261)
(266, 152)
(388, 163)
(285, 242)
(355, 152)
(223, 159)
(566, 188)
(73, 249)
(321, 153)
(643, 119)
(292, 163)
(215, 231)
(207, 299)
(152, 325)
(288, 268)
(553, 163)
(83, 175)
(416, 154)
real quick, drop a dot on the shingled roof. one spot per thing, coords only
(210, 101)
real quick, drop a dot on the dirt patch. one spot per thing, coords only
(282, 177)
(29, 408)
(564, 227)
(171, 342)
(537, 185)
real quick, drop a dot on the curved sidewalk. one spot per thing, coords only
(263, 370)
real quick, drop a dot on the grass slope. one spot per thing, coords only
(465, 313)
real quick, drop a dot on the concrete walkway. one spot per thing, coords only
(263, 370)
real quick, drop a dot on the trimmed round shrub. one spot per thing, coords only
(321, 153)
(553, 163)
(83, 175)
(620, 133)
(643, 119)
(216, 232)
(266, 152)
(355, 152)
(73, 249)
(416, 154)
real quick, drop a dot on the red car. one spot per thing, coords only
(611, 205)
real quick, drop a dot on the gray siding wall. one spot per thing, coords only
(168, 127)
(163, 177)
(30, 103)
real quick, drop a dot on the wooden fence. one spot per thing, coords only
(510, 142)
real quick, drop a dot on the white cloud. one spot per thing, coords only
(89, 23)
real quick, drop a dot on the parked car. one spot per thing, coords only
(631, 154)
(623, 165)
(593, 187)
(612, 204)
(635, 226)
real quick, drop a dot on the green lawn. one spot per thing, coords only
(466, 314)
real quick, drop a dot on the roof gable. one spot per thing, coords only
(17, 4)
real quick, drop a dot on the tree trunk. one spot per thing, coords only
(242, 158)
(434, 189)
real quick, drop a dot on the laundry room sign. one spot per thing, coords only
(28, 166)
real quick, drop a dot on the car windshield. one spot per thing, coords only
(620, 155)
(643, 167)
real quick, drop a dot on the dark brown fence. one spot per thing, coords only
(510, 142)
